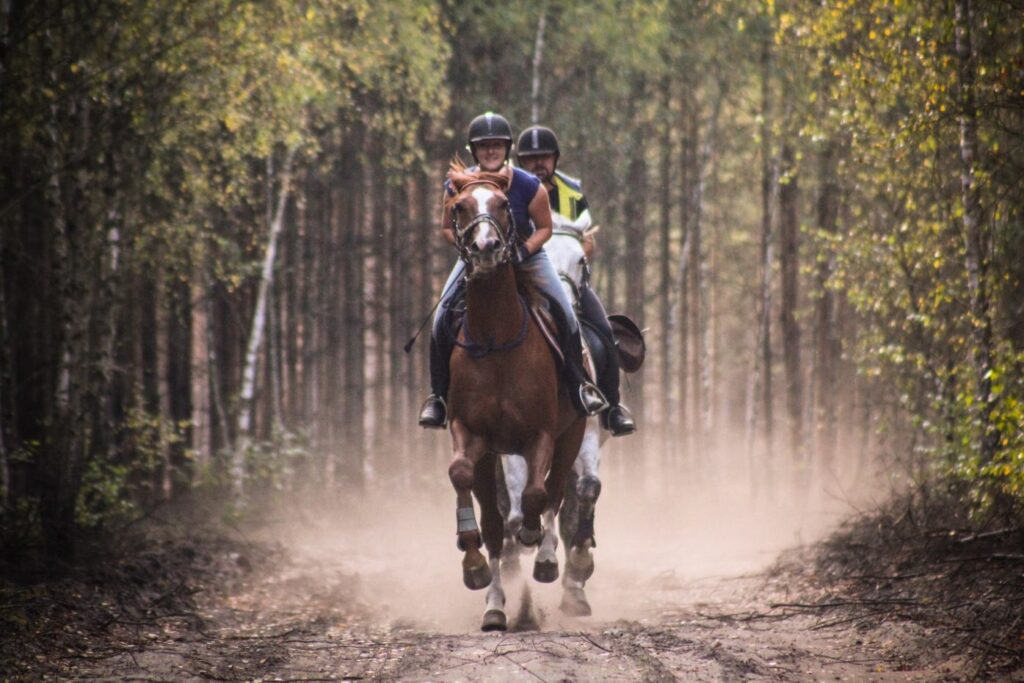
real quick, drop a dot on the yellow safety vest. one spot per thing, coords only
(569, 199)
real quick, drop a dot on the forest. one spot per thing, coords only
(219, 226)
(220, 232)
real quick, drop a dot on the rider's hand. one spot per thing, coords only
(522, 253)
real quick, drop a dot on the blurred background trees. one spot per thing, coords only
(814, 208)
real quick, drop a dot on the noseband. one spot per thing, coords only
(505, 238)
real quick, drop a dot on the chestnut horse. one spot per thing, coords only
(505, 396)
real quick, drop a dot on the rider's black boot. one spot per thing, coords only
(589, 398)
(618, 421)
(434, 413)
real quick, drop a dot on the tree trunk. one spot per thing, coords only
(826, 336)
(256, 335)
(202, 411)
(687, 174)
(6, 383)
(976, 233)
(292, 319)
(636, 236)
(665, 262)
(60, 465)
(538, 61)
(769, 183)
(789, 235)
(701, 375)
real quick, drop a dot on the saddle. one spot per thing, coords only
(628, 342)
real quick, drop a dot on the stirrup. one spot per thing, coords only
(591, 399)
(429, 418)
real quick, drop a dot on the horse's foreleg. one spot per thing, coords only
(494, 612)
(577, 518)
(513, 475)
(516, 477)
(485, 487)
(467, 452)
(535, 497)
(588, 485)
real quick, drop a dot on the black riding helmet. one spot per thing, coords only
(489, 126)
(537, 140)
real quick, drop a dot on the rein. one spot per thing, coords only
(569, 233)
(477, 350)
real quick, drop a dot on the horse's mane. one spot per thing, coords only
(460, 177)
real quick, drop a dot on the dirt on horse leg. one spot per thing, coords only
(485, 487)
(468, 451)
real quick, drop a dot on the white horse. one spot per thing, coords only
(576, 518)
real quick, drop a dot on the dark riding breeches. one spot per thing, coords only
(593, 312)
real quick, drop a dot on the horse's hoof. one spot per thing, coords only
(580, 568)
(545, 572)
(574, 603)
(477, 577)
(494, 620)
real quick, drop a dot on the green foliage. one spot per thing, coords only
(167, 121)
(117, 485)
(1002, 479)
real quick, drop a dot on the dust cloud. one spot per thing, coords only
(662, 526)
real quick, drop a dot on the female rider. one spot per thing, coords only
(490, 142)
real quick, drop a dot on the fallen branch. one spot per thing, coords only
(843, 603)
(990, 534)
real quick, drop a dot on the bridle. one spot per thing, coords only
(506, 238)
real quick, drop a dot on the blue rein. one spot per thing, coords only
(477, 350)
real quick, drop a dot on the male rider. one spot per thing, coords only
(537, 151)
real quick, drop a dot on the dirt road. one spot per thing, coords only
(373, 592)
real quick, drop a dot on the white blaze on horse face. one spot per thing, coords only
(483, 196)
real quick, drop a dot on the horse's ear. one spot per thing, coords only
(457, 172)
(458, 179)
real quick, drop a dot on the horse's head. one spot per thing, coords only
(481, 219)
(565, 249)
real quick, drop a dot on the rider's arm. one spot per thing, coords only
(589, 245)
(446, 223)
(540, 214)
